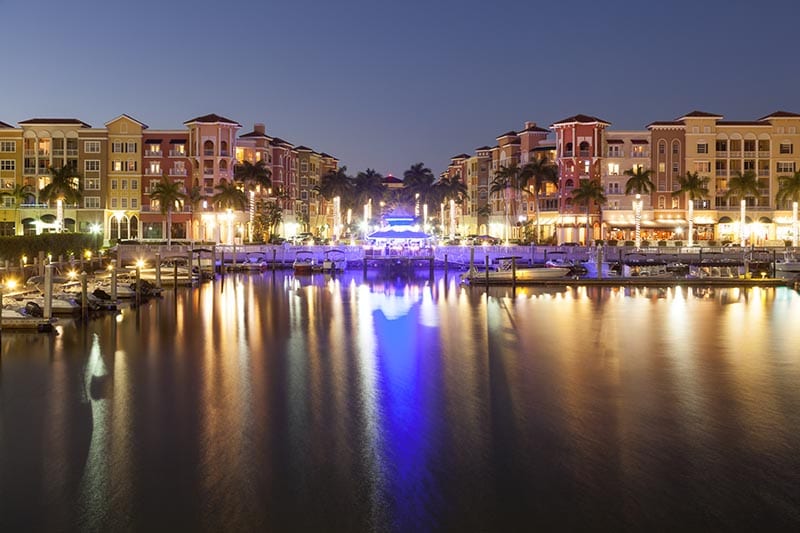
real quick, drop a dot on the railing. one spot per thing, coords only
(762, 153)
(763, 172)
(640, 154)
(29, 152)
(722, 153)
(152, 172)
(208, 171)
(585, 153)
(177, 153)
(735, 153)
(721, 173)
(208, 152)
(749, 153)
(567, 153)
(153, 153)
(58, 152)
(72, 151)
(177, 172)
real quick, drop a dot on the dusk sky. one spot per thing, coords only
(385, 84)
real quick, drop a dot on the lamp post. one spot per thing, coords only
(691, 222)
(742, 237)
(637, 216)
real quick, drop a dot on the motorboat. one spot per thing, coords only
(788, 266)
(304, 262)
(333, 261)
(507, 272)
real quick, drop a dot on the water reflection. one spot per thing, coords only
(399, 403)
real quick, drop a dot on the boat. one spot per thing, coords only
(304, 262)
(505, 272)
(333, 261)
(788, 266)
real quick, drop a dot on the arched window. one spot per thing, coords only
(584, 148)
(568, 149)
(569, 184)
(208, 148)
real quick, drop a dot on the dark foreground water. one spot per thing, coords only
(271, 404)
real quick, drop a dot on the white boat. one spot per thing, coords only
(304, 262)
(334, 261)
(505, 273)
(788, 266)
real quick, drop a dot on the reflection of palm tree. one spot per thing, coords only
(169, 194)
(743, 186)
(695, 188)
(587, 192)
(534, 178)
(64, 186)
(789, 189)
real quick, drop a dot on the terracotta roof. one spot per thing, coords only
(4, 125)
(543, 148)
(511, 133)
(665, 123)
(142, 124)
(583, 119)
(278, 141)
(212, 118)
(461, 156)
(56, 121)
(302, 148)
(254, 134)
(780, 114)
(535, 128)
(699, 114)
(483, 148)
(640, 141)
(742, 123)
(323, 154)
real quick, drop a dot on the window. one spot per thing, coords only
(785, 166)
(134, 203)
(134, 185)
(303, 167)
(91, 202)
(662, 167)
(613, 169)
(8, 146)
(124, 203)
(702, 148)
(787, 148)
(638, 167)
(91, 165)
(113, 203)
(675, 167)
(8, 164)
(749, 164)
(113, 185)
(676, 148)
(750, 145)
(662, 202)
(676, 203)
(124, 184)
(662, 147)
(702, 167)
(131, 166)
(91, 147)
(116, 166)
(131, 148)
(91, 184)
(116, 147)
(722, 146)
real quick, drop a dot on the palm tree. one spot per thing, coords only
(169, 194)
(452, 188)
(534, 178)
(255, 178)
(743, 186)
(64, 186)
(638, 183)
(19, 193)
(789, 189)
(696, 188)
(510, 176)
(588, 191)
(229, 196)
(418, 187)
(368, 186)
(336, 186)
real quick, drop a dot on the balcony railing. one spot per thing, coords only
(177, 153)
(640, 154)
(721, 173)
(58, 152)
(749, 153)
(585, 153)
(763, 172)
(152, 172)
(208, 171)
(177, 172)
(735, 153)
(208, 152)
(762, 153)
(153, 153)
(72, 152)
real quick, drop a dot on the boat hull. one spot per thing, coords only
(521, 275)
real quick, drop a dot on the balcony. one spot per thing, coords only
(763, 154)
(735, 153)
(721, 173)
(567, 153)
(72, 152)
(177, 153)
(152, 172)
(749, 153)
(58, 152)
(208, 152)
(722, 153)
(177, 172)
(153, 153)
(208, 171)
(763, 172)
(640, 154)
(585, 153)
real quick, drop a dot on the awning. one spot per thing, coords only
(765, 220)
(725, 220)
(615, 141)
(153, 141)
(640, 141)
(178, 141)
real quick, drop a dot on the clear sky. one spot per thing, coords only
(388, 83)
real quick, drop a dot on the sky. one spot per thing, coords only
(385, 84)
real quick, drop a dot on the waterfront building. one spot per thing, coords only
(165, 156)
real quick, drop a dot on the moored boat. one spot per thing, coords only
(304, 262)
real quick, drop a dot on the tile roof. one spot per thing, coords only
(142, 124)
(699, 114)
(780, 114)
(212, 118)
(254, 134)
(4, 125)
(742, 123)
(666, 123)
(535, 128)
(583, 119)
(483, 148)
(511, 133)
(461, 156)
(55, 121)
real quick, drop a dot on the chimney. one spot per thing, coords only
(260, 128)
(529, 125)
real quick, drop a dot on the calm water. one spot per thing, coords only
(264, 403)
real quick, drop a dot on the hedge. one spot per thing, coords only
(12, 248)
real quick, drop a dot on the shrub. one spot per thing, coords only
(662, 243)
(645, 243)
(12, 248)
(630, 243)
(612, 242)
(678, 243)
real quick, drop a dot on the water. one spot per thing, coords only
(271, 404)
